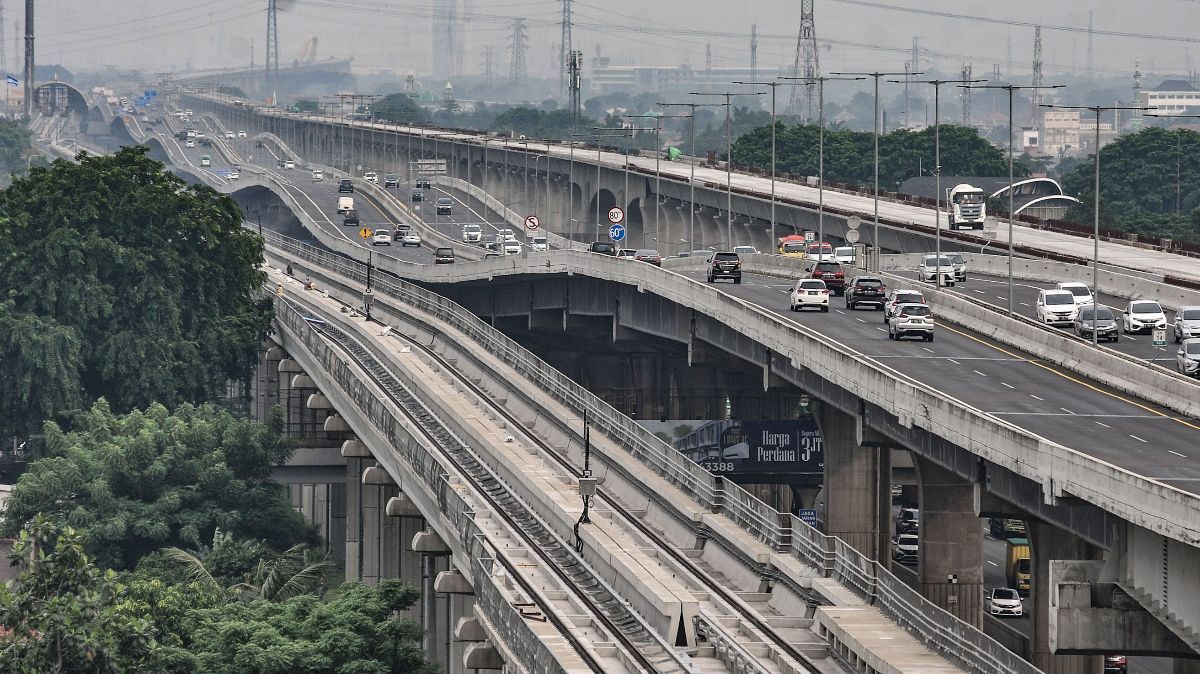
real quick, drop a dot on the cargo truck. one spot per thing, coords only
(1018, 567)
(966, 206)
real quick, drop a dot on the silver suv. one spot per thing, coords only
(960, 266)
(1187, 323)
(932, 267)
(911, 319)
(1187, 360)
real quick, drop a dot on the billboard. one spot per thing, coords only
(747, 448)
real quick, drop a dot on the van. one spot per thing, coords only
(345, 204)
(205, 160)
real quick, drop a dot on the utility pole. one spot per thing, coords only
(728, 154)
(1091, 72)
(753, 49)
(806, 52)
(574, 85)
(518, 43)
(272, 45)
(565, 48)
(966, 95)
(1036, 98)
(29, 58)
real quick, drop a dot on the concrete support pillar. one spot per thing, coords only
(389, 564)
(1186, 667)
(354, 529)
(857, 484)
(428, 607)
(951, 542)
(1048, 542)
(372, 528)
(337, 523)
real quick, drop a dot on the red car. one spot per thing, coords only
(648, 255)
(831, 273)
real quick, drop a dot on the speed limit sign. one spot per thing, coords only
(615, 214)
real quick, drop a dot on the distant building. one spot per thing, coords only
(1172, 97)
(608, 78)
(1060, 132)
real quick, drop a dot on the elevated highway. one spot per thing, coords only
(963, 420)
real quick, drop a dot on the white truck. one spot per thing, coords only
(345, 204)
(967, 206)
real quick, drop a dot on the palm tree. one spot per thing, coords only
(295, 572)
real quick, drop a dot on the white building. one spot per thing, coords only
(1172, 97)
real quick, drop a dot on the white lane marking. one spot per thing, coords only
(1101, 423)
(923, 347)
(979, 373)
(1001, 297)
(1066, 410)
(859, 320)
(1138, 439)
(990, 561)
(1036, 398)
(1024, 304)
(1008, 385)
(840, 311)
(1132, 339)
(949, 359)
(881, 330)
(1171, 451)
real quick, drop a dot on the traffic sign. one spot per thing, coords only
(1159, 336)
(616, 232)
(616, 215)
(852, 236)
(365, 232)
(532, 222)
(808, 516)
(853, 222)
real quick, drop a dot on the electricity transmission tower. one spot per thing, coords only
(272, 66)
(564, 46)
(806, 57)
(518, 43)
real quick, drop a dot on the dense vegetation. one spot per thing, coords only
(120, 281)
(850, 155)
(1149, 184)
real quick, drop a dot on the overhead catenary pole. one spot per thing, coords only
(1010, 88)
(29, 58)
(728, 154)
(875, 132)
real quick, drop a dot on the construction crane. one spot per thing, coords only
(308, 53)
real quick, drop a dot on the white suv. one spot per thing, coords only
(810, 293)
(1143, 315)
(1082, 293)
(472, 234)
(911, 319)
(1056, 307)
(932, 267)
(898, 297)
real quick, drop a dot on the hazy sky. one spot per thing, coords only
(385, 34)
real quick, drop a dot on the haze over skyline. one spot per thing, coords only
(160, 35)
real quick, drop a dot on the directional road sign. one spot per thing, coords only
(532, 222)
(616, 215)
(616, 232)
(1159, 336)
(365, 232)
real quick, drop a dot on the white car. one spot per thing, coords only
(506, 235)
(539, 244)
(1056, 307)
(932, 267)
(241, 134)
(230, 134)
(1187, 359)
(371, 177)
(1082, 293)
(289, 164)
(233, 174)
(905, 549)
(411, 238)
(745, 250)
(844, 255)
(472, 234)
(809, 293)
(898, 297)
(318, 176)
(1142, 315)
(512, 247)
(382, 237)
(189, 143)
(1003, 601)
(911, 319)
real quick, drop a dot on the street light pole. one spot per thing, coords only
(728, 154)
(875, 132)
(1011, 154)
(774, 86)
(1097, 109)
(937, 170)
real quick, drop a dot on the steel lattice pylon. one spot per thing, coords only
(807, 63)
(518, 43)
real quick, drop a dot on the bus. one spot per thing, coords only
(205, 160)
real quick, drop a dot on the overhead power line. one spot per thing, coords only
(1014, 22)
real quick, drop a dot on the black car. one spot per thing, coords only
(351, 217)
(444, 206)
(345, 185)
(391, 180)
(1101, 320)
(866, 290)
(423, 183)
(418, 195)
(603, 247)
(443, 256)
(725, 264)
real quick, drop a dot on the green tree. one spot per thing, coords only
(63, 614)
(231, 91)
(150, 290)
(156, 478)
(14, 145)
(400, 108)
(359, 631)
(1149, 182)
(305, 105)
(279, 577)
(535, 123)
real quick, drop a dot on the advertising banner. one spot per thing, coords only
(743, 448)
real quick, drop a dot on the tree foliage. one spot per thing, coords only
(535, 123)
(121, 281)
(155, 478)
(359, 631)
(400, 108)
(63, 614)
(1149, 184)
(14, 145)
(850, 155)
